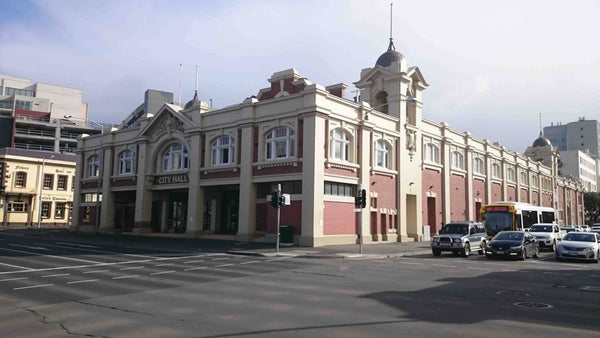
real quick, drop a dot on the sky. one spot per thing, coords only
(492, 66)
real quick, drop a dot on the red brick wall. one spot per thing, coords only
(123, 182)
(511, 193)
(524, 195)
(386, 189)
(288, 169)
(496, 192)
(433, 179)
(535, 198)
(217, 175)
(261, 216)
(339, 219)
(291, 215)
(341, 172)
(458, 198)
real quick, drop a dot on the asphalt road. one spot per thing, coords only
(58, 288)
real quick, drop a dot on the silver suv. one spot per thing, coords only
(460, 238)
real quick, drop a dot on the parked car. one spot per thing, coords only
(585, 227)
(513, 244)
(569, 228)
(579, 245)
(460, 238)
(547, 234)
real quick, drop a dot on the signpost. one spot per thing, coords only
(360, 202)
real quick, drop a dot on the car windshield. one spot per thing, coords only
(580, 237)
(509, 236)
(455, 229)
(541, 228)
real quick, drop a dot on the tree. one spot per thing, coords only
(591, 202)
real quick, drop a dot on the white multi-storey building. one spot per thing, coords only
(578, 164)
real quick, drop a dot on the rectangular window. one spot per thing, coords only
(73, 183)
(24, 105)
(340, 189)
(61, 184)
(59, 210)
(20, 179)
(18, 206)
(48, 181)
(90, 198)
(46, 206)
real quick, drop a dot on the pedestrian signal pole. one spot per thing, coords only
(276, 203)
(360, 202)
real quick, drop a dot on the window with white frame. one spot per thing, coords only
(46, 206)
(59, 210)
(510, 175)
(457, 160)
(18, 206)
(478, 165)
(126, 162)
(175, 157)
(534, 181)
(496, 170)
(523, 178)
(94, 166)
(222, 150)
(382, 153)
(48, 181)
(280, 143)
(61, 183)
(432, 153)
(340, 145)
(20, 179)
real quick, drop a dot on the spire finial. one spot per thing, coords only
(196, 88)
(180, 84)
(541, 133)
(391, 46)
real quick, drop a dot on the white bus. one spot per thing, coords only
(513, 216)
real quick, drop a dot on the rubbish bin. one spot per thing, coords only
(426, 232)
(286, 235)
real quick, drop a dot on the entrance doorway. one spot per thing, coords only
(230, 201)
(177, 212)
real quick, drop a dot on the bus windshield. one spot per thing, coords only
(497, 221)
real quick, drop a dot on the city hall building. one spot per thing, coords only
(203, 172)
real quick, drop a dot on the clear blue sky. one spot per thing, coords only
(492, 66)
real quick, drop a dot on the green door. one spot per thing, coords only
(229, 212)
(176, 221)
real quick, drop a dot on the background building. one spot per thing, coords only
(207, 172)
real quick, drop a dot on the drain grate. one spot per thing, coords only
(513, 293)
(533, 305)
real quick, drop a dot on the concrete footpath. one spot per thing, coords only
(181, 243)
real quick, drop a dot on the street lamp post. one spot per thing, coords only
(100, 170)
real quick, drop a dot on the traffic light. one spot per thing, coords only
(275, 197)
(360, 200)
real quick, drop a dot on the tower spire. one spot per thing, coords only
(391, 46)
(196, 88)
(541, 133)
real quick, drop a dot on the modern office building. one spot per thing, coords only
(578, 165)
(201, 171)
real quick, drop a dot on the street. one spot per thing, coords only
(52, 287)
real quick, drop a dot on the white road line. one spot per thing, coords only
(249, 262)
(46, 255)
(33, 286)
(74, 267)
(559, 273)
(196, 268)
(411, 263)
(56, 275)
(223, 265)
(96, 271)
(9, 279)
(15, 266)
(29, 247)
(123, 277)
(472, 268)
(446, 266)
(166, 264)
(190, 262)
(83, 281)
(182, 257)
(161, 272)
(100, 251)
(597, 276)
(81, 245)
(219, 259)
(131, 268)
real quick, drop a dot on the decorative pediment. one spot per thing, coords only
(167, 121)
(417, 77)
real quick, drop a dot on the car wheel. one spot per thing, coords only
(467, 250)
(553, 247)
(536, 253)
(436, 252)
(523, 254)
(482, 250)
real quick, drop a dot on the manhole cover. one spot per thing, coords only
(513, 293)
(533, 305)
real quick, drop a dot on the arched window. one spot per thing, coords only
(382, 154)
(381, 102)
(496, 170)
(523, 178)
(478, 165)
(94, 166)
(222, 150)
(510, 175)
(432, 153)
(126, 162)
(175, 157)
(280, 143)
(457, 160)
(534, 181)
(340, 145)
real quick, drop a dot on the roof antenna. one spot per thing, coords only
(180, 84)
(391, 46)
(196, 89)
(541, 134)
